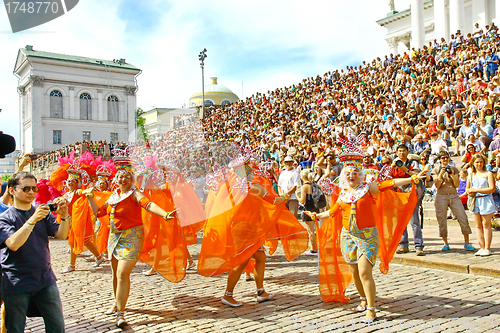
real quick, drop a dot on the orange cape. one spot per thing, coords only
(239, 223)
(192, 215)
(393, 211)
(164, 246)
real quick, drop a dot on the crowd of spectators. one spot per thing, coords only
(97, 148)
(443, 96)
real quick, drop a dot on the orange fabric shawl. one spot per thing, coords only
(192, 214)
(239, 223)
(164, 246)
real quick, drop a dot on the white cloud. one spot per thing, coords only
(265, 44)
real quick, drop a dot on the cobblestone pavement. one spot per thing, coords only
(408, 299)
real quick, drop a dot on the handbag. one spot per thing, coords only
(471, 203)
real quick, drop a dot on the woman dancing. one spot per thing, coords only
(126, 237)
(85, 233)
(357, 213)
(242, 217)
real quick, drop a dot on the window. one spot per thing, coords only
(113, 109)
(86, 135)
(56, 137)
(225, 102)
(85, 107)
(56, 104)
(114, 137)
(209, 102)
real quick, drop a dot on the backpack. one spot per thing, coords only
(318, 196)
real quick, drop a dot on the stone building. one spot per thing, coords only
(427, 20)
(66, 99)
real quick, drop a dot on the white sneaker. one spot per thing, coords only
(485, 253)
(478, 253)
(311, 253)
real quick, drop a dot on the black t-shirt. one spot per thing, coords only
(27, 269)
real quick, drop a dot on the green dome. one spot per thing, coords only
(213, 87)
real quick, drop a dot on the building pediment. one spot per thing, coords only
(20, 61)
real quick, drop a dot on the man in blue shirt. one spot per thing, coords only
(491, 64)
(27, 275)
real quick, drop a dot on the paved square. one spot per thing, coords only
(408, 299)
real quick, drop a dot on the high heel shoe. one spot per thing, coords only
(112, 310)
(226, 302)
(191, 265)
(120, 319)
(360, 308)
(369, 320)
(261, 299)
(99, 261)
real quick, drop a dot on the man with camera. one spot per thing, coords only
(402, 167)
(446, 181)
(28, 280)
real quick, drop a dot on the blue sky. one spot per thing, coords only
(264, 44)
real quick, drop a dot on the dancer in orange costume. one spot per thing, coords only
(125, 246)
(82, 231)
(103, 190)
(364, 210)
(242, 217)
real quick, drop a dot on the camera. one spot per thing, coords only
(399, 163)
(52, 206)
(448, 169)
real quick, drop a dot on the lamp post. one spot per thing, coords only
(201, 57)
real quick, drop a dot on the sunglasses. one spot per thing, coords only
(26, 189)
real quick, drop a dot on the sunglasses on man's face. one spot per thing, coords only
(26, 189)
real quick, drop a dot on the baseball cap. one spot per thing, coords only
(288, 158)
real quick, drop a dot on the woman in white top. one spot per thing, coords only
(481, 185)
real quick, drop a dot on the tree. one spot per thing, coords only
(5, 178)
(140, 122)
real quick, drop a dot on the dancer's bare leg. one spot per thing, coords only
(232, 280)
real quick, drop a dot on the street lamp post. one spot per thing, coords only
(201, 57)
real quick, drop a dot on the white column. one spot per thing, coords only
(393, 44)
(456, 16)
(417, 24)
(36, 118)
(71, 103)
(478, 13)
(130, 110)
(100, 113)
(439, 20)
(497, 13)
